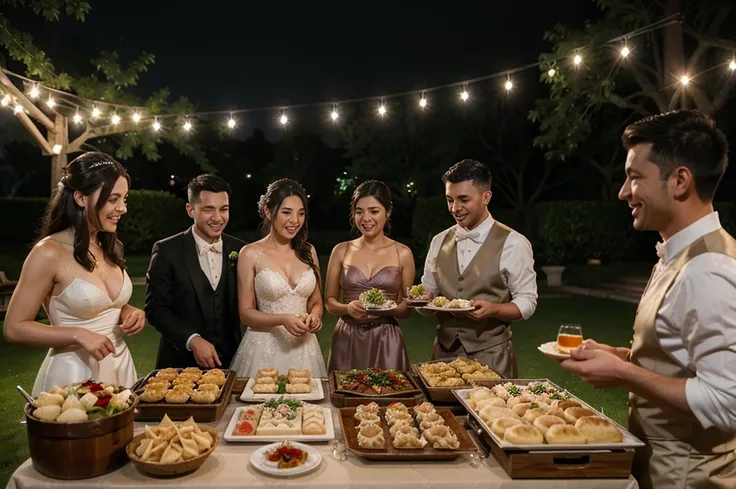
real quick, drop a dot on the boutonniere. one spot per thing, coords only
(233, 256)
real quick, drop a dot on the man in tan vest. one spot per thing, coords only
(484, 261)
(681, 368)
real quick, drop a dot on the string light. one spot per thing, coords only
(51, 102)
(685, 80)
(625, 51)
(334, 115)
(156, 125)
(116, 119)
(5, 101)
(57, 149)
(34, 92)
(18, 109)
(551, 72)
(77, 118)
(577, 60)
(136, 117)
(231, 122)
(464, 95)
(423, 101)
(96, 112)
(248, 176)
(732, 65)
(509, 84)
(283, 119)
(187, 126)
(382, 109)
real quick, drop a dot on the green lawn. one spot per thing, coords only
(605, 320)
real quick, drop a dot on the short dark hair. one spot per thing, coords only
(466, 170)
(208, 182)
(683, 138)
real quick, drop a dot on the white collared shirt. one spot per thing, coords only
(696, 324)
(517, 264)
(210, 262)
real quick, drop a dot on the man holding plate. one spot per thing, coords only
(484, 261)
(681, 368)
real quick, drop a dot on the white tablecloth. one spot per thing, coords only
(229, 467)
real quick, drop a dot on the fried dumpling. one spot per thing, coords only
(72, 415)
(298, 388)
(47, 413)
(151, 395)
(265, 388)
(208, 387)
(177, 397)
(266, 380)
(203, 397)
(46, 399)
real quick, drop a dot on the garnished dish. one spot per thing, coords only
(268, 381)
(375, 299)
(286, 456)
(417, 296)
(373, 382)
(76, 403)
(539, 413)
(279, 417)
(191, 385)
(460, 371)
(171, 443)
(441, 303)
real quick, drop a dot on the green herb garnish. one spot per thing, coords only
(533, 405)
(274, 403)
(538, 389)
(513, 391)
(282, 386)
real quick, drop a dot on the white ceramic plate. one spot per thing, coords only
(550, 349)
(629, 440)
(388, 306)
(258, 460)
(317, 394)
(329, 431)
(449, 309)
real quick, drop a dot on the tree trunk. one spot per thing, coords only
(60, 136)
(674, 55)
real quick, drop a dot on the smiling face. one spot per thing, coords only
(112, 210)
(467, 203)
(289, 217)
(211, 212)
(650, 197)
(370, 216)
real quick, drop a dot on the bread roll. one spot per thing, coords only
(555, 411)
(521, 408)
(493, 401)
(522, 434)
(573, 413)
(598, 430)
(500, 425)
(568, 404)
(532, 414)
(491, 413)
(546, 421)
(564, 434)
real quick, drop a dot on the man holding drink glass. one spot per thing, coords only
(681, 367)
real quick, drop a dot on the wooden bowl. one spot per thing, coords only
(178, 468)
(83, 450)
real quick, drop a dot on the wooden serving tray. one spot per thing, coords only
(339, 399)
(239, 385)
(348, 424)
(407, 393)
(202, 413)
(577, 464)
(444, 394)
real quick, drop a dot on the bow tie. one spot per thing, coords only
(216, 247)
(660, 249)
(463, 234)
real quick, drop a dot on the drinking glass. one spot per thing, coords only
(570, 336)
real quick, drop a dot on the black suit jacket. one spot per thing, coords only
(174, 305)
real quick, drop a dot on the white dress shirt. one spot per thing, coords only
(210, 261)
(696, 324)
(517, 263)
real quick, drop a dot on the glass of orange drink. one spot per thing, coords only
(569, 337)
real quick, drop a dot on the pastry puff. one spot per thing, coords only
(371, 437)
(402, 440)
(265, 388)
(298, 388)
(267, 372)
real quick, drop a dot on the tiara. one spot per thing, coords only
(100, 163)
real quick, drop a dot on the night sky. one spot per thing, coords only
(223, 57)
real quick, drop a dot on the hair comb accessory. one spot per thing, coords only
(101, 163)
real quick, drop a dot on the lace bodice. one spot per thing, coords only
(275, 295)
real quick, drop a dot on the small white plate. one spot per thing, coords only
(258, 460)
(550, 349)
(449, 309)
(228, 435)
(388, 306)
(317, 394)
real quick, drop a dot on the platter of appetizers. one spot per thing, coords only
(443, 304)
(78, 403)
(286, 459)
(440, 377)
(374, 382)
(269, 383)
(280, 419)
(417, 296)
(376, 300)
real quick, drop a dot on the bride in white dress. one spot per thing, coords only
(279, 295)
(76, 272)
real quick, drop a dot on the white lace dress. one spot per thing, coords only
(275, 347)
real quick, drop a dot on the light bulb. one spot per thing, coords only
(51, 103)
(422, 102)
(464, 96)
(577, 59)
(6, 101)
(34, 92)
(509, 85)
(96, 112)
(116, 119)
(77, 118)
(156, 126)
(231, 123)
(551, 72)
(334, 115)
(732, 65)
(57, 149)
(187, 126)
(283, 119)
(18, 109)
(382, 110)
(625, 51)
(136, 117)
(248, 175)
(685, 79)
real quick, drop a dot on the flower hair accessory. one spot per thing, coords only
(262, 206)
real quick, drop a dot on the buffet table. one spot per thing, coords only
(229, 467)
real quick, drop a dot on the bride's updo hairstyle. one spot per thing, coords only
(276, 193)
(85, 174)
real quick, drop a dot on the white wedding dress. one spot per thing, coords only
(83, 305)
(275, 347)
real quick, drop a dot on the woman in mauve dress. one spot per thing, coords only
(373, 260)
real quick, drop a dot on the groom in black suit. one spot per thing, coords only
(191, 284)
